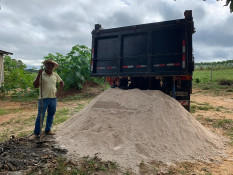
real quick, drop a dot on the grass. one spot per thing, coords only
(20, 127)
(61, 116)
(24, 133)
(4, 111)
(225, 124)
(193, 108)
(4, 135)
(217, 74)
(200, 106)
(206, 107)
(7, 123)
(221, 83)
(9, 111)
(81, 96)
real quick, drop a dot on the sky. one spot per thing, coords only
(31, 29)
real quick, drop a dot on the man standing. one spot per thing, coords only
(49, 96)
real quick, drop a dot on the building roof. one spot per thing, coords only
(4, 52)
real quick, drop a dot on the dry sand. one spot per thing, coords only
(131, 126)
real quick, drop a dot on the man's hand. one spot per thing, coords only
(40, 71)
(37, 80)
(59, 92)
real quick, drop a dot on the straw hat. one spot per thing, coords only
(51, 61)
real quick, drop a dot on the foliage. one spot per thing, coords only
(11, 64)
(225, 82)
(74, 68)
(16, 79)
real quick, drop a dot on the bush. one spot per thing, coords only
(197, 80)
(225, 82)
(16, 79)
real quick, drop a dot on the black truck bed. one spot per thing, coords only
(154, 49)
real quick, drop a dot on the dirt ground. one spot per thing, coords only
(220, 107)
(216, 107)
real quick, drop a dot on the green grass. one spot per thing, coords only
(4, 111)
(217, 74)
(78, 97)
(205, 108)
(5, 134)
(24, 133)
(11, 111)
(225, 124)
(27, 121)
(61, 116)
(19, 124)
(222, 80)
(193, 108)
(201, 106)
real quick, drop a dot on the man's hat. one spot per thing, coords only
(51, 61)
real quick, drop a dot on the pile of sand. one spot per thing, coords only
(131, 126)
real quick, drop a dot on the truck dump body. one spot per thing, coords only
(155, 56)
(163, 48)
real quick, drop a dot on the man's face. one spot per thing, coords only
(49, 66)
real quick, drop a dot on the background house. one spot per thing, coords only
(2, 53)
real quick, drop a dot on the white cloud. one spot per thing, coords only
(31, 29)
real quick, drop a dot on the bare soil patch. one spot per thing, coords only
(221, 107)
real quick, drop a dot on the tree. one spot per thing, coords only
(74, 68)
(17, 79)
(231, 4)
(227, 3)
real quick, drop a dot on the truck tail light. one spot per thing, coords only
(185, 77)
(91, 65)
(183, 54)
(92, 56)
(92, 53)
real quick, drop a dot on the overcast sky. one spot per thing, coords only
(31, 29)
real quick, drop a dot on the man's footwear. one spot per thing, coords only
(49, 133)
(32, 137)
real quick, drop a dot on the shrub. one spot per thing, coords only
(197, 80)
(225, 82)
(16, 79)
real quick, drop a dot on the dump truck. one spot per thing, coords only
(153, 56)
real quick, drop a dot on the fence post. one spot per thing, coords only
(211, 71)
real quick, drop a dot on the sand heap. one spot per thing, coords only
(131, 126)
